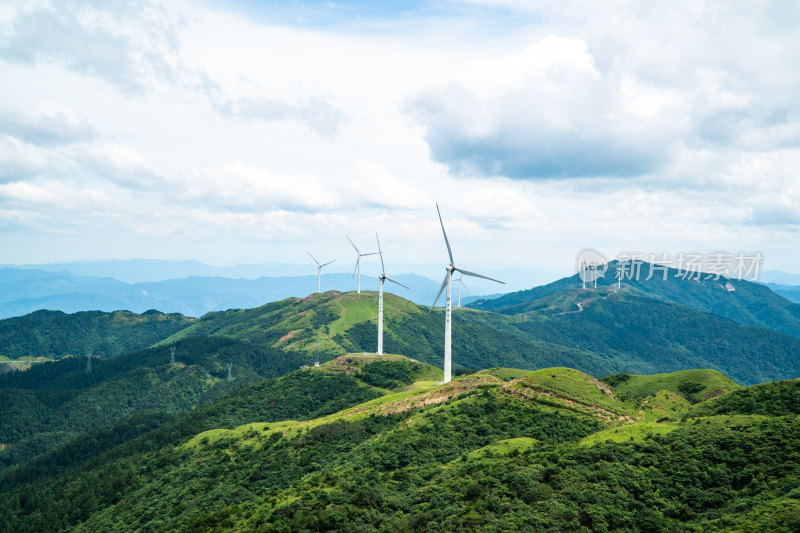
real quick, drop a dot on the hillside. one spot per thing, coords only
(54, 334)
(599, 332)
(611, 333)
(502, 449)
(750, 303)
(55, 402)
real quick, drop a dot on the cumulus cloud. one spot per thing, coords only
(544, 113)
(47, 125)
(681, 79)
(122, 165)
(240, 187)
(19, 160)
(122, 42)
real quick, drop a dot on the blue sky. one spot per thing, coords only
(254, 131)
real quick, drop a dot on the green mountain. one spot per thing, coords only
(53, 334)
(53, 403)
(600, 332)
(747, 303)
(374, 444)
(610, 332)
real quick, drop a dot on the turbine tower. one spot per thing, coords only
(461, 283)
(230, 371)
(172, 355)
(358, 263)
(319, 270)
(447, 283)
(382, 277)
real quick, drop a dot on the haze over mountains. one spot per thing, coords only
(193, 288)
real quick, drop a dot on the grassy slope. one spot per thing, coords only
(613, 333)
(715, 383)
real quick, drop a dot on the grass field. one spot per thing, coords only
(639, 387)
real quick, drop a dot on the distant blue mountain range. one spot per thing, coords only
(24, 290)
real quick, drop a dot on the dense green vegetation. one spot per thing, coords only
(365, 443)
(55, 402)
(600, 332)
(500, 450)
(692, 384)
(750, 303)
(55, 334)
(614, 332)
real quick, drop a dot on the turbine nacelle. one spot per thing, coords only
(358, 262)
(447, 284)
(383, 277)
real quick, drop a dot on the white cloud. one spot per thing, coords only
(125, 43)
(50, 123)
(19, 160)
(544, 113)
(206, 127)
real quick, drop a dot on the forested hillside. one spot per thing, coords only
(53, 403)
(741, 301)
(502, 449)
(54, 334)
(609, 332)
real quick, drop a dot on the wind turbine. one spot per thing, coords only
(461, 283)
(358, 263)
(447, 283)
(382, 277)
(319, 270)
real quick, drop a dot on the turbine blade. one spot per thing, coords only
(356, 268)
(449, 251)
(354, 246)
(371, 253)
(383, 268)
(476, 275)
(312, 257)
(397, 282)
(463, 284)
(444, 284)
(329, 262)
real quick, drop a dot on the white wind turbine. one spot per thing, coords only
(461, 283)
(382, 277)
(319, 270)
(358, 263)
(447, 283)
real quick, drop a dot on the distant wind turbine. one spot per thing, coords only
(461, 283)
(358, 262)
(382, 277)
(319, 270)
(447, 283)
